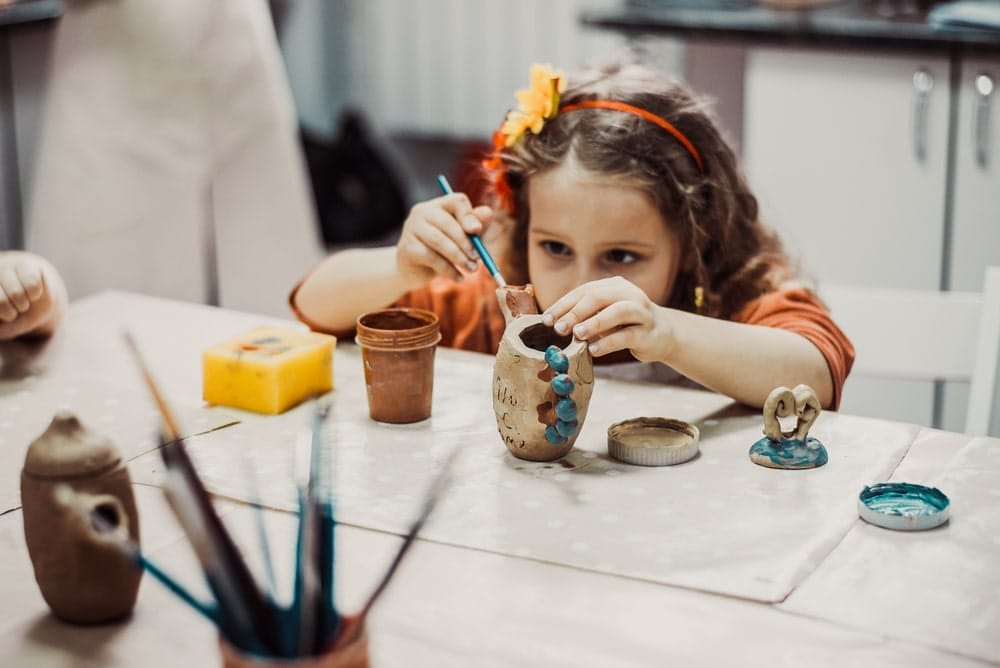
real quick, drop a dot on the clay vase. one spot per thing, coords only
(83, 577)
(397, 351)
(542, 383)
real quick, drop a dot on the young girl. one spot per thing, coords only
(32, 295)
(625, 208)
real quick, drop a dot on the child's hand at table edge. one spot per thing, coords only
(29, 303)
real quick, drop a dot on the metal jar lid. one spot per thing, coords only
(653, 441)
(903, 506)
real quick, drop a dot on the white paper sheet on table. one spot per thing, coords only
(717, 523)
(920, 586)
(128, 419)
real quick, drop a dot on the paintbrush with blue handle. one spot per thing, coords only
(477, 243)
(314, 556)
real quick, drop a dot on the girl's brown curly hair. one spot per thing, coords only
(725, 249)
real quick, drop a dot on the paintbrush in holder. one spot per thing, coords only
(254, 629)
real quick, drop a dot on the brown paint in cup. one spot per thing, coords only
(397, 349)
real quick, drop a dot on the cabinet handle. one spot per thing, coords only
(984, 89)
(923, 84)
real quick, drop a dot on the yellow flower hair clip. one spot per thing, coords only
(537, 104)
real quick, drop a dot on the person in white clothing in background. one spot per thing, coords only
(169, 161)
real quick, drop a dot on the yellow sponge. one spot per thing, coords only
(268, 369)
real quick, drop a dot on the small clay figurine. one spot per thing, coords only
(83, 577)
(793, 449)
(542, 381)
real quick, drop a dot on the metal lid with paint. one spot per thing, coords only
(653, 441)
(903, 506)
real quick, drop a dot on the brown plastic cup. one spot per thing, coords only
(397, 349)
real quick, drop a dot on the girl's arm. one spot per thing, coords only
(347, 284)
(739, 360)
(744, 361)
(434, 242)
(32, 295)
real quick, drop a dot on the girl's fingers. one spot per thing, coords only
(621, 339)
(11, 285)
(7, 311)
(450, 224)
(484, 214)
(438, 242)
(580, 304)
(459, 206)
(30, 276)
(427, 261)
(556, 314)
(609, 319)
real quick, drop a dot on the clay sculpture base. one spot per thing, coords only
(788, 453)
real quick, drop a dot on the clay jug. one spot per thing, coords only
(83, 577)
(542, 382)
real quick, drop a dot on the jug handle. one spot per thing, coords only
(504, 306)
(511, 306)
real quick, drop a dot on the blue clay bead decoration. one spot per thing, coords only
(566, 429)
(552, 435)
(556, 359)
(562, 385)
(566, 409)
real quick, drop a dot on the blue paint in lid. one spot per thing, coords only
(903, 506)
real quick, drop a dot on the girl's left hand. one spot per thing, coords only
(613, 314)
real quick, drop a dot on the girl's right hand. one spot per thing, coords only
(435, 241)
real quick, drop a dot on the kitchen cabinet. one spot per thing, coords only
(848, 156)
(881, 170)
(975, 210)
(975, 213)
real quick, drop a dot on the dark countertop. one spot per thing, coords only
(847, 23)
(28, 11)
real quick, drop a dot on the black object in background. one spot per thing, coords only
(359, 195)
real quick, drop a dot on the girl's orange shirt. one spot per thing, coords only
(470, 319)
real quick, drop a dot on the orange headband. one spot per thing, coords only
(495, 163)
(642, 113)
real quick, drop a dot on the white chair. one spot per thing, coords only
(927, 335)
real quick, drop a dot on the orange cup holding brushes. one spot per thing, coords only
(349, 651)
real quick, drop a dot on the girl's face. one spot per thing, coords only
(583, 228)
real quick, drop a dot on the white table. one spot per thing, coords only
(587, 563)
